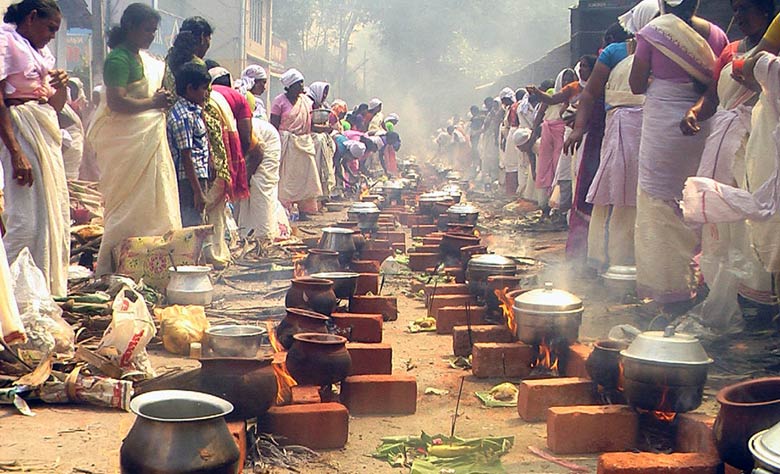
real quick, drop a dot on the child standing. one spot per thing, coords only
(189, 142)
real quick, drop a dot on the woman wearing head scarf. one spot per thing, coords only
(724, 163)
(299, 178)
(613, 191)
(375, 118)
(664, 245)
(323, 143)
(32, 91)
(252, 84)
(489, 140)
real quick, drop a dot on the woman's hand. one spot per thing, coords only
(58, 78)
(163, 99)
(573, 142)
(533, 90)
(689, 125)
(21, 169)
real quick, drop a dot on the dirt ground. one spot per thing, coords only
(76, 439)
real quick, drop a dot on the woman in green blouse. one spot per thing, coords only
(138, 180)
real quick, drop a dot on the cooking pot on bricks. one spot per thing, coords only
(300, 320)
(318, 359)
(480, 267)
(765, 448)
(547, 313)
(392, 191)
(249, 384)
(344, 283)
(665, 371)
(314, 294)
(179, 432)
(745, 409)
(603, 364)
(453, 191)
(366, 214)
(462, 214)
(620, 279)
(320, 260)
(341, 241)
(427, 201)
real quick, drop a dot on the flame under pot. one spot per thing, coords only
(548, 314)
(480, 267)
(665, 371)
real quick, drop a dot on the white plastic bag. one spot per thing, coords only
(46, 331)
(131, 329)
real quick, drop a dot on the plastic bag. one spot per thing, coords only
(131, 329)
(46, 331)
(180, 326)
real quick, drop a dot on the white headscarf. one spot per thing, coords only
(559, 79)
(291, 76)
(506, 93)
(393, 118)
(317, 92)
(374, 103)
(643, 13)
(521, 136)
(355, 148)
(664, 3)
(248, 78)
(217, 72)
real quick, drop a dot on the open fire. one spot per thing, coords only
(298, 260)
(506, 304)
(664, 412)
(284, 380)
(548, 359)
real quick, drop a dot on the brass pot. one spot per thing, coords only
(179, 432)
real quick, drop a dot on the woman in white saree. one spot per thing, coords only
(138, 180)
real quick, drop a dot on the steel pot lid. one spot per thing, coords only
(434, 197)
(336, 275)
(620, 272)
(364, 208)
(548, 299)
(393, 184)
(765, 447)
(667, 347)
(462, 209)
(491, 262)
(337, 230)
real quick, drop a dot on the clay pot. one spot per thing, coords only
(318, 359)
(745, 409)
(297, 321)
(320, 260)
(248, 383)
(179, 432)
(364, 266)
(603, 364)
(313, 294)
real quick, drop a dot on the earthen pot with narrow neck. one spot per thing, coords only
(299, 320)
(313, 294)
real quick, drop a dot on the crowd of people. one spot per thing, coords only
(657, 153)
(173, 143)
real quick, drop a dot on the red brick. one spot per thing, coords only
(419, 262)
(238, 430)
(393, 237)
(461, 341)
(368, 359)
(359, 327)
(380, 394)
(694, 434)
(399, 248)
(501, 359)
(591, 429)
(315, 425)
(403, 218)
(302, 395)
(377, 244)
(432, 240)
(732, 470)
(364, 266)
(450, 316)
(423, 230)
(440, 301)
(446, 289)
(424, 249)
(387, 306)
(414, 220)
(649, 463)
(378, 255)
(367, 283)
(575, 364)
(536, 396)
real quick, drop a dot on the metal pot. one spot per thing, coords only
(320, 116)
(427, 201)
(189, 285)
(745, 409)
(765, 448)
(320, 260)
(454, 192)
(603, 364)
(233, 340)
(344, 283)
(620, 279)
(393, 192)
(665, 371)
(339, 240)
(178, 431)
(544, 314)
(480, 267)
(366, 214)
(462, 214)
